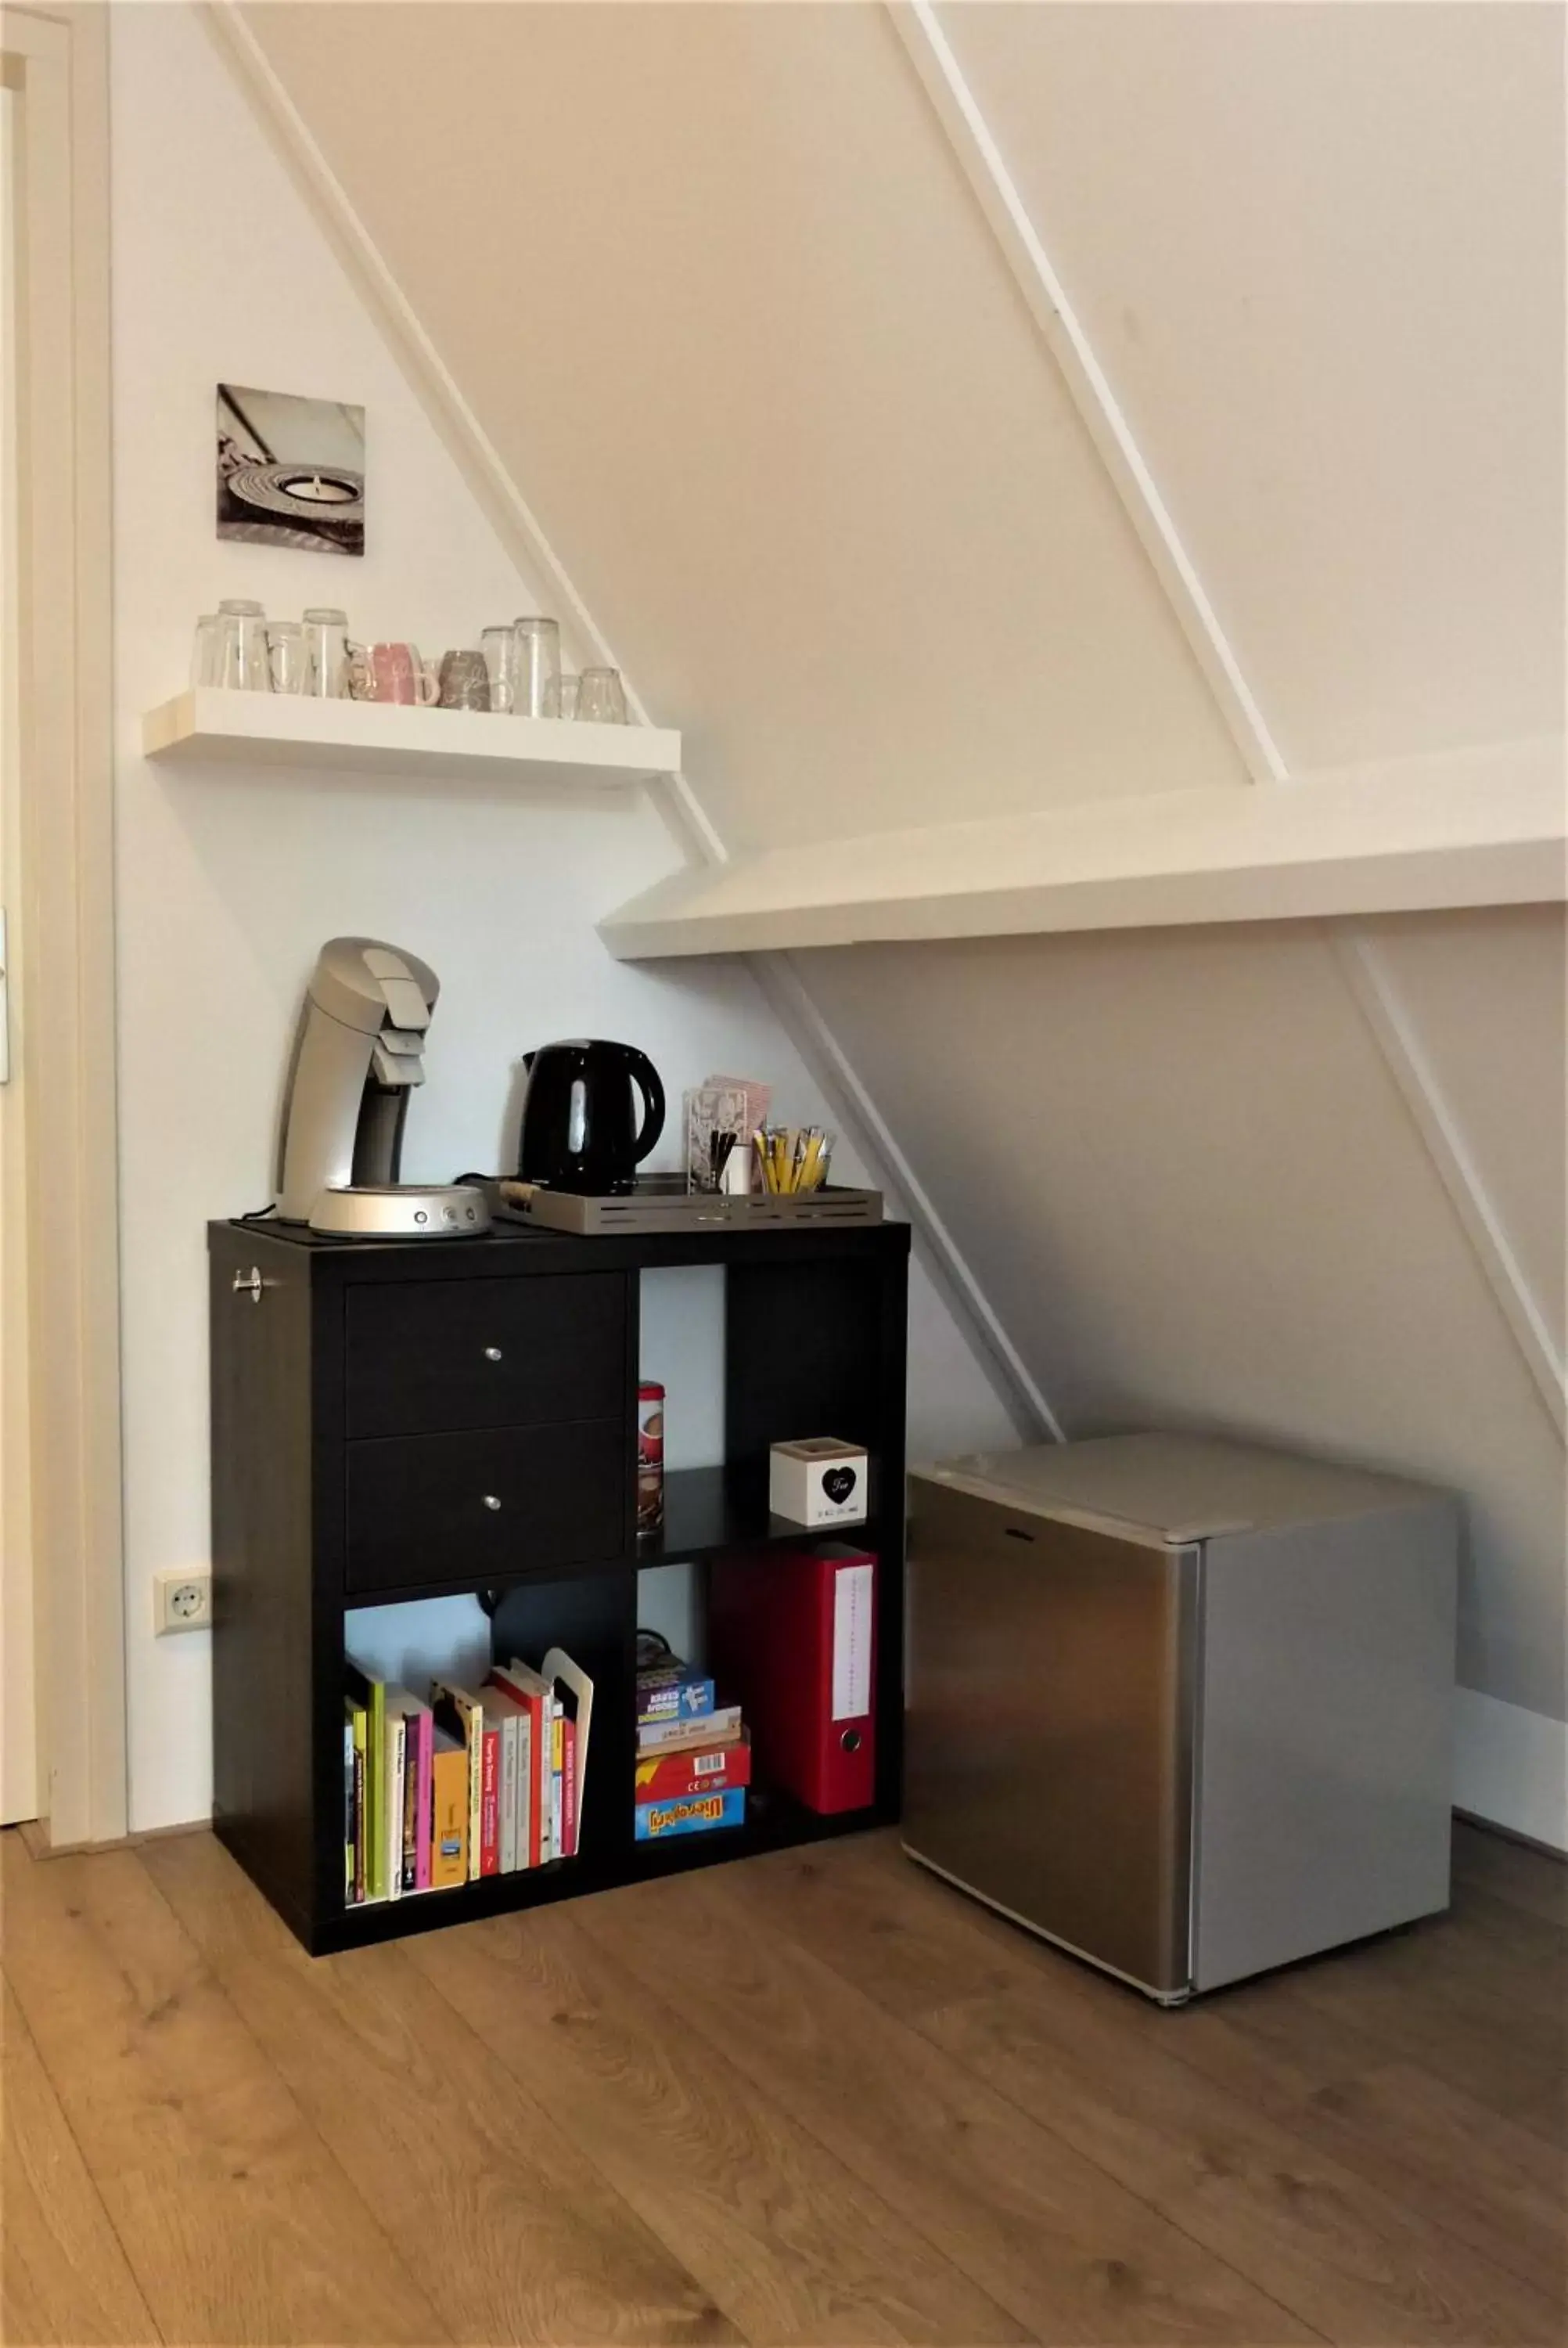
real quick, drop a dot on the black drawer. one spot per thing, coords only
(426, 1355)
(426, 1508)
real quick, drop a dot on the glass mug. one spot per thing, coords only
(204, 652)
(538, 665)
(392, 673)
(500, 651)
(240, 661)
(329, 655)
(465, 682)
(600, 698)
(286, 655)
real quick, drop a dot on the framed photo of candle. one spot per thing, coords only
(291, 471)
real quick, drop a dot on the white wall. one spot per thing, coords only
(229, 879)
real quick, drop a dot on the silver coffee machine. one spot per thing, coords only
(359, 1051)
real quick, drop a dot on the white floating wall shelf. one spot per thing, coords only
(266, 729)
(1479, 827)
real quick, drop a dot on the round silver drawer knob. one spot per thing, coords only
(492, 1353)
(491, 1501)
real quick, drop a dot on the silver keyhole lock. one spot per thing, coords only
(492, 1353)
(250, 1283)
(491, 1501)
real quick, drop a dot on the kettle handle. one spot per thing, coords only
(645, 1075)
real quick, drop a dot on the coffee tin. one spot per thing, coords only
(649, 1461)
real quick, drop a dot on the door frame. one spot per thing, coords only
(55, 58)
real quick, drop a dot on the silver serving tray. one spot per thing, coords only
(661, 1202)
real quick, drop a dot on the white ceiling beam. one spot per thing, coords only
(1409, 1064)
(981, 162)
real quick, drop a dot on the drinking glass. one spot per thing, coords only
(286, 655)
(242, 662)
(538, 664)
(328, 652)
(204, 651)
(500, 647)
(393, 672)
(599, 696)
(465, 679)
(561, 698)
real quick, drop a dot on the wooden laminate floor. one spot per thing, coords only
(815, 2097)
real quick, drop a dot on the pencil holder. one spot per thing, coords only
(817, 1480)
(716, 1135)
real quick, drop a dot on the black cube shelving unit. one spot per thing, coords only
(403, 1420)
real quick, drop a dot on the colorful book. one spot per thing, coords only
(688, 1736)
(709, 1769)
(528, 1792)
(520, 1679)
(361, 1808)
(526, 1714)
(409, 1823)
(575, 1690)
(347, 1801)
(557, 1843)
(692, 1814)
(394, 1782)
(409, 1855)
(568, 1789)
(489, 1799)
(448, 1809)
(512, 1717)
(464, 1715)
(508, 1714)
(673, 1691)
(371, 1693)
(360, 1722)
(511, 1683)
(426, 1722)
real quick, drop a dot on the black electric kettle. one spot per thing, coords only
(578, 1131)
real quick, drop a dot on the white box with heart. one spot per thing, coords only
(817, 1480)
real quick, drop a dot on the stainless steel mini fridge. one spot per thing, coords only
(1181, 1705)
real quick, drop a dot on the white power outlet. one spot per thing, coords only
(181, 1599)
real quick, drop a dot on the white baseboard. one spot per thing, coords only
(1511, 1766)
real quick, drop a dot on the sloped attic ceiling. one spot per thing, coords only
(713, 287)
(1319, 252)
(718, 293)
